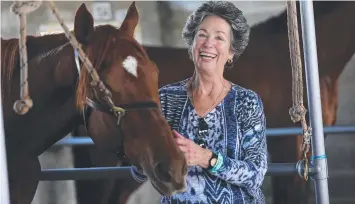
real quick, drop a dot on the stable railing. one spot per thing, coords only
(123, 172)
(270, 132)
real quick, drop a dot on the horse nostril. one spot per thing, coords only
(163, 172)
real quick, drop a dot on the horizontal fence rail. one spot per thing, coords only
(124, 172)
(270, 132)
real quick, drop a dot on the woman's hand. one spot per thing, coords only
(194, 154)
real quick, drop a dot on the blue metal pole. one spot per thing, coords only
(270, 132)
(314, 101)
(124, 172)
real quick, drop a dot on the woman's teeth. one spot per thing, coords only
(207, 55)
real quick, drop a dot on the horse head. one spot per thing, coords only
(132, 80)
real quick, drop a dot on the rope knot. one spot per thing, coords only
(23, 106)
(297, 112)
(25, 7)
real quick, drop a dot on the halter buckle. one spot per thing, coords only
(119, 112)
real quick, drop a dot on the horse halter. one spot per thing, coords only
(105, 108)
(110, 108)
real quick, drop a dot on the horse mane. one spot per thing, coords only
(278, 24)
(10, 56)
(96, 53)
(9, 60)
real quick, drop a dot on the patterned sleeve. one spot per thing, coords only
(250, 170)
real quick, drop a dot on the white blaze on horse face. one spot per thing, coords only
(130, 65)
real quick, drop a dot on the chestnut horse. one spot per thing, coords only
(264, 67)
(64, 98)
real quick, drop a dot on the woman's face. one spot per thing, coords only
(212, 44)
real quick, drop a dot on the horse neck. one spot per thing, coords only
(49, 72)
(52, 86)
(37, 45)
(61, 62)
(335, 40)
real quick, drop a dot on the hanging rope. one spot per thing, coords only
(96, 82)
(298, 111)
(22, 8)
(74, 43)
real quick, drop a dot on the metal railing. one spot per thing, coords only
(124, 172)
(270, 132)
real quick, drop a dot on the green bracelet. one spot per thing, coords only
(218, 164)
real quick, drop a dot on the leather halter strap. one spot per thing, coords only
(92, 105)
(127, 107)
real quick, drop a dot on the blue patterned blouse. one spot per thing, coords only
(236, 129)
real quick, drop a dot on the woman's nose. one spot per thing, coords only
(208, 42)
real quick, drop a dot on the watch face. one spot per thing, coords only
(213, 161)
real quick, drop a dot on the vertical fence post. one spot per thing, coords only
(4, 185)
(314, 101)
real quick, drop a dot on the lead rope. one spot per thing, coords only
(96, 82)
(22, 8)
(298, 111)
(22, 106)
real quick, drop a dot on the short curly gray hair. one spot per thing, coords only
(226, 10)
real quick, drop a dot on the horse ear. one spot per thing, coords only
(83, 24)
(131, 20)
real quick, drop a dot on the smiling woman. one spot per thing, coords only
(218, 125)
(211, 47)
